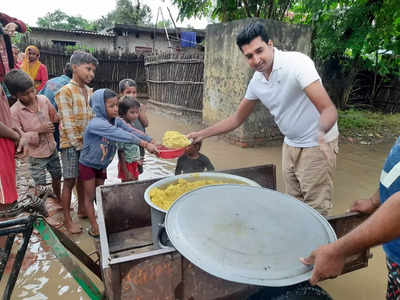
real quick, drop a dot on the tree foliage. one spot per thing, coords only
(126, 13)
(164, 23)
(361, 30)
(359, 34)
(60, 20)
(229, 10)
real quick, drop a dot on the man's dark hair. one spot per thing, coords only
(80, 57)
(126, 103)
(17, 81)
(250, 32)
(68, 70)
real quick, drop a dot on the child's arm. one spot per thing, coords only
(32, 137)
(104, 128)
(122, 162)
(20, 138)
(117, 134)
(53, 115)
(43, 76)
(142, 116)
(8, 133)
(125, 126)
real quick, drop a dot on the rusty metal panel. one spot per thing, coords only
(156, 278)
(264, 175)
(112, 283)
(200, 285)
(130, 239)
(343, 224)
(124, 206)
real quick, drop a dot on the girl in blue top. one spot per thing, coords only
(99, 146)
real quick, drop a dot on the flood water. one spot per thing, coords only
(357, 175)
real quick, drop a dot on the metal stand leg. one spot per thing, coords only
(11, 228)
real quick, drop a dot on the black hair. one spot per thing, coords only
(109, 94)
(126, 103)
(80, 57)
(17, 81)
(125, 83)
(68, 70)
(198, 145)
(250, 32)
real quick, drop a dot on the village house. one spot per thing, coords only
(121, 38)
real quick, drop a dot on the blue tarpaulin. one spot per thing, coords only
(188, 39)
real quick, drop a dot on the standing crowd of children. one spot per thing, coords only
(87, 128)
(90, 133)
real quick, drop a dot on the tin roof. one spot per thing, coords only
(136, 28)
(78, 32)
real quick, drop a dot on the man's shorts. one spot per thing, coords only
(70, 162)
(87, 173)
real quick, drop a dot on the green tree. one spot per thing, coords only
(229, 10)
(60, 20)
(126, 13)
(359, 34)
(166, 23)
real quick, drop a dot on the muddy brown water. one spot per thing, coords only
(357, 175)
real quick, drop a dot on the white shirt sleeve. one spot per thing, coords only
(306, 72)
(250, 92)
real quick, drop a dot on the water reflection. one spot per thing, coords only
(42, 276)
(153, 167)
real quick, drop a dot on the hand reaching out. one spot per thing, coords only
(151, 148)
(195, 136)
(10, 29)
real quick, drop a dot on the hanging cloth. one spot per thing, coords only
(188, 39)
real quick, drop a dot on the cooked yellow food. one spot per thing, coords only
(175, 140)
(163, 198)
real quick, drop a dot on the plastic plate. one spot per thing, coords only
(167, 153)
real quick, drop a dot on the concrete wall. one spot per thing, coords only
(227, 74)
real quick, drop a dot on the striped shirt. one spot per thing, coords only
(75, 114)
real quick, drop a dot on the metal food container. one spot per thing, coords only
(158, 214)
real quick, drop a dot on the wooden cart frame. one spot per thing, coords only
(133, 269)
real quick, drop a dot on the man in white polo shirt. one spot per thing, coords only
(288, 84)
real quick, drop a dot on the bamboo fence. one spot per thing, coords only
(175, 80)
(111, 70)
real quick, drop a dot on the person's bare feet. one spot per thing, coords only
(82, 214)
(94, 232)
(53, 222)
(73, 227)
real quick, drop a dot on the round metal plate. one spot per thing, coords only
(247, 234)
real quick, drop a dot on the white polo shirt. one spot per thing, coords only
(283, 94)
